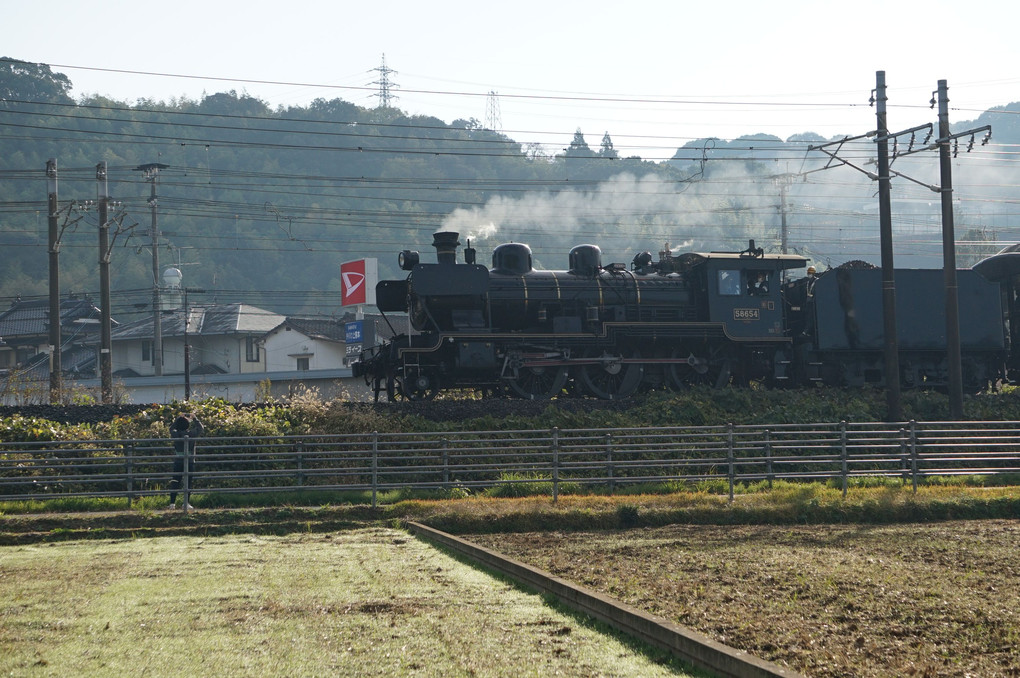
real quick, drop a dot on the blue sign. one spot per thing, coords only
(353, 332)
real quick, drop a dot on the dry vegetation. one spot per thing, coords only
(828, 600)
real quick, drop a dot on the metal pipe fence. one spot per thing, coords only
(565, 459)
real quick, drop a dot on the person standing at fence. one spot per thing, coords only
(185, 429)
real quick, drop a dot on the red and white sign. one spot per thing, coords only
(357, 282)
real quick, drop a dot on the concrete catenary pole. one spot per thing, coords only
(949, 259)
(892, 357)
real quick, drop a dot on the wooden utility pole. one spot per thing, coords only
(106, 320)
(56, 367)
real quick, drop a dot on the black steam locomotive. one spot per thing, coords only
(695, 318)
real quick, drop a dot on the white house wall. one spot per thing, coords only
(228, 352)
(283, 347)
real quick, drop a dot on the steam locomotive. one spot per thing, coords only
(713, 318)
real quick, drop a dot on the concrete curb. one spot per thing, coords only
(690, 646)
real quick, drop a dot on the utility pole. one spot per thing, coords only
(56, 368)
(892, 358)
(783, 181)
(187, 344)
(106, 321)
(949, 246)
(151, 171)
(949, 259)
(884, 177)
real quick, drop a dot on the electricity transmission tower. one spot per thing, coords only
(493, 119)
(386, 97)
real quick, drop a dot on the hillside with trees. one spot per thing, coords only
(261, 205)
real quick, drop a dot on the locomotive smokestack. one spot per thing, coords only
(446, 243)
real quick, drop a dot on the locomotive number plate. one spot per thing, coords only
(746, 314)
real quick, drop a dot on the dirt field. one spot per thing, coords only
(937, 599)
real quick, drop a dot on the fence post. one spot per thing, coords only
(556, 463)
(301, 463)
(446, 463)
(375, 466)
(913, 453)
(843, 455)
(903, 454)
(186, 473)
(609, 463)
(731, 470)
(769, 472)
(130, 471)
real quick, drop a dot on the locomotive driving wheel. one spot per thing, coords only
(535, 382)
(706, 364)
(606, 375)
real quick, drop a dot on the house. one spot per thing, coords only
(305, 344)
(218, 339)
(322, 343)
(236, 351)
(25, 338)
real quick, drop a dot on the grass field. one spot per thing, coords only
(365, 602)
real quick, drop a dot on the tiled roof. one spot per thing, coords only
(213, 320)
(329, 329)
(31, 318)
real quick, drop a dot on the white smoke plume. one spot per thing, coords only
(623, 216)
(830, 216)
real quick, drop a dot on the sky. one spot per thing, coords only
(653, 74)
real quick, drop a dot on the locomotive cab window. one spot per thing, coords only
(729, 283)
(757, 282)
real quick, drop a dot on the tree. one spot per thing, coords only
(977, 244)
(232, 103)
(579, 147)
(26, 81)
(607, 150)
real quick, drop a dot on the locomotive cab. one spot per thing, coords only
(743, 291)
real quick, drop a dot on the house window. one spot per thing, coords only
(302, 364)
(146, 351)
(251, 350)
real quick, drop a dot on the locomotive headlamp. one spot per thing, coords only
(407, 259)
